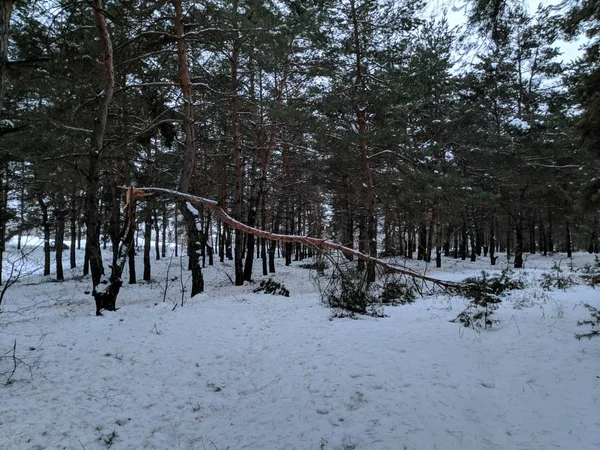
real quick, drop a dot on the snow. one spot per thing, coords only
(519, 123)
(192, 209)
(231, 369)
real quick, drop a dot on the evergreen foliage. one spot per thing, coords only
(485, 293)
(272, 287)
(593, 322)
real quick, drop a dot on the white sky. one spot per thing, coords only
(570, 50)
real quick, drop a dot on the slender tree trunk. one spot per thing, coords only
(147, 241)
(21, 207)
(508, 240)
(493, 258)
(519, 242)
(46, 231)
(115, 210)
(165, 223)
(542, 234)
(422, 250)
(456, 244)
(176, 232)
(156, 232)
(568, 240)
(464, 243)
(3, 215)
(59, 239)
(6, 7)
(190, 156)
(550, 234)
(104, 100)
(208, 243)
(362, 238)
(369, 200)
(593, 247)
(73, 228)
(238, 164)
(473, 239)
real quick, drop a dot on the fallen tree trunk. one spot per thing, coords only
(106, 298)
(319, 244)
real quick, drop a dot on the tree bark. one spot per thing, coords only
(369, 200)
(568, 244)
(519, 243)
(190, 157)
(238, 188)
(147, 241)
(59, 239)
(73, 228)
(6, 7)
(104, 99)
(46, 231)
(106, 298)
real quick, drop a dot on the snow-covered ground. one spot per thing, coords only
(231, 369)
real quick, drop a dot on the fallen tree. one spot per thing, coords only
(316, 243)
(106, 297)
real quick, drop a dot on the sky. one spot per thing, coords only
(570, 50)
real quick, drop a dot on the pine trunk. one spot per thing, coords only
(189, 161)
(59, 239)
(519, 243)
(147, 242)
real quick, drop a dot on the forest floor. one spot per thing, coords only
(231, 369)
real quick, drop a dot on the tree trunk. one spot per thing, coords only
(115, 209)
(73, 228)
(147, 241)
(176, 232)
(165, 223)
(493, 258)
(463, 243)
(3, 216)
(6, 7)
(46, 231)
(568, 240)
(550, 234)
(189, 161)
(508, 241)
(97, 144)
(473, 239)
(156, 232)
(106, 298)
(368, 194)
(422, 250)
(250, 242)
(519, 243)
(59, 240)
(593, 247)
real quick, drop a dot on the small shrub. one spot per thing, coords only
(319, 266)
(349, 291)
(591, 273)
(272, 287)
(485, 293)
(397, 292)
(594, 322)
(556, 279)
